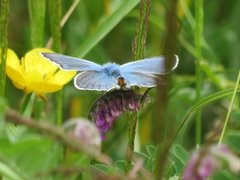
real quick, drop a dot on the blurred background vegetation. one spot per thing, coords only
(219, 67)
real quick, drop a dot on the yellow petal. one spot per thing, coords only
(17, 77)
(43, 87)
(14, 70)
(12, 60)
(36, 66)
(62, 77)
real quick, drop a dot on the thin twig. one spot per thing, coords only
(229, 110)
(64, 19)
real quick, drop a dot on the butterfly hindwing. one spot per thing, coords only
(141, 80)
(92, 80)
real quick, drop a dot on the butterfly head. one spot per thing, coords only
(121, 82)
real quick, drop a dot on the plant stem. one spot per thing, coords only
(198, 52)
(37, 21)
(139, 42)
(132, 124)
(36, 10)
(55, 11)
(4, 14)
(27, 105)
(162, 129)
(229, 110)
(138, 47)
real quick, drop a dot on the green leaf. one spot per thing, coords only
(121, 165)
(232, 140)
(109, 23)
(181, 153)
(224, 175)
(30, 153)
(103, 167)
(151, 150)
(8, 173)
(180, 157)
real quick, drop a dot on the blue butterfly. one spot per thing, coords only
(92, 76)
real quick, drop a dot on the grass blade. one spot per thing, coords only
(109, 23)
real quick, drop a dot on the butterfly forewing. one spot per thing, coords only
(72, 63)
(153, 65)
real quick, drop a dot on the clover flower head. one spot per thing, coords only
(205, 161)
(111, 105)
(84, 131)
(33, 73)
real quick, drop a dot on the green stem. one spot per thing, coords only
(36, 10)
(162, 129)
(55, 13)
(139, 42)
(138, 47)
(132, 125)
(27, 105)
(4, 14)
(37, 21)
(59, 114)
(229, 110)
(198, 44)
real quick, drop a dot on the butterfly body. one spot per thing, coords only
(121, 82)
(112, 70)
(92, 76)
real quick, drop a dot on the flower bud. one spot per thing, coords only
(85, 131)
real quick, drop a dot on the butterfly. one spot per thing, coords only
(92, 76)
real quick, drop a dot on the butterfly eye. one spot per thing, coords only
(121, 81)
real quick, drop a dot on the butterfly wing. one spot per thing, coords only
(72, 63)
(141, 80)
(92, 80)
(153, 65)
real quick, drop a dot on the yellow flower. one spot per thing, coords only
(33, 73)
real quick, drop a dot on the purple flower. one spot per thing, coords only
(111, 105)
(205, 161)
